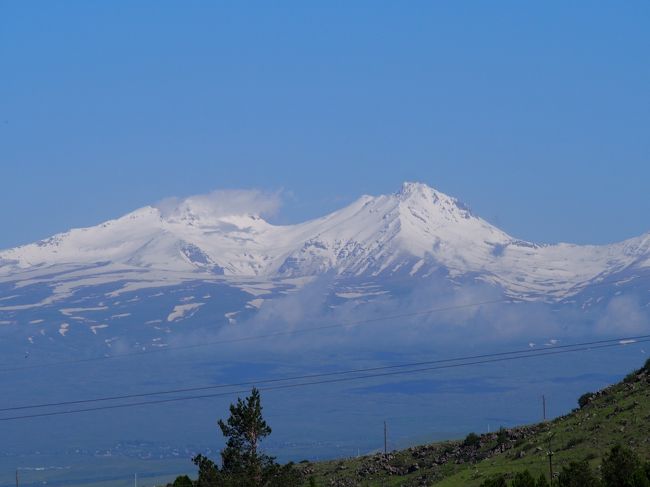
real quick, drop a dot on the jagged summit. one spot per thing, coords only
(421, 195)
(410, 188)
(414, 232)
(417, 190)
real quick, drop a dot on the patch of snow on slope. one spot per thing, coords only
(71, 311)
(255, 303)
(359, 294)
(231, 317)
(94, 328)
(416, 267)
(183, 311)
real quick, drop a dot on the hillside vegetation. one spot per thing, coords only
(619, 414)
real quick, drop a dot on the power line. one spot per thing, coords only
(328, 374)
(326, 381)
(295, 331)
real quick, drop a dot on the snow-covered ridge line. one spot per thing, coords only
(415, 232)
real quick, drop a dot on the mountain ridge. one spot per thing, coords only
(417, 232)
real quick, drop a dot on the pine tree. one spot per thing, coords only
(209, 474)
(242, 463)
(245, 429)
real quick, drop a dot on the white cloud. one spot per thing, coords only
(223, 202)
(623, 315)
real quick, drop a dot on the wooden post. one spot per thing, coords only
(550, 460)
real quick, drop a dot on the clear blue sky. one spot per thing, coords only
(536, 114)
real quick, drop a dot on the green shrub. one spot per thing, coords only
(502, 436)
(639, 478)
(523, 479)
(619, 467)
(541, 481)
(499, 481)
(631, 377)
(182, 481)
(577, 474)
(574, 442)
(472, 439)
(585, 399)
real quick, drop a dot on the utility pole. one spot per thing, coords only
(544, 407)
(385, 440)
(135, 480)
(16, 477)
(550, 458)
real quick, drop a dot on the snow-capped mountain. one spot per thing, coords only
(202, 271)
(134, 280)
(416, 232)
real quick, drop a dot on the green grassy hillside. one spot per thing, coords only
(619, 414)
